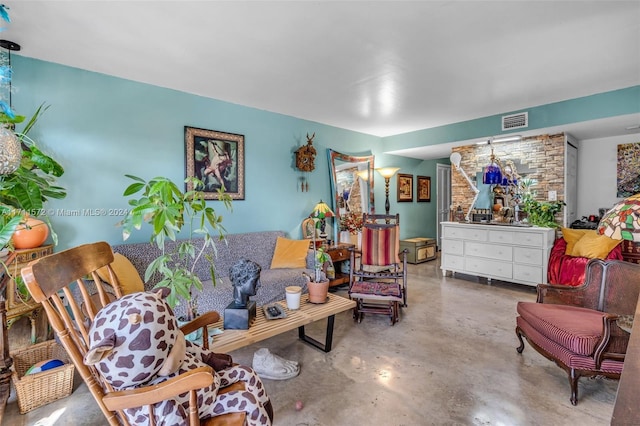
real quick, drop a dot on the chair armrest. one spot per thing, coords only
(560, 295)
(202, 321)
(192, 380)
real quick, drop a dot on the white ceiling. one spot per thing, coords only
(377, 67)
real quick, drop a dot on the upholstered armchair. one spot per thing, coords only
(584, 330)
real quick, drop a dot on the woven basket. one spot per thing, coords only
(35, 390)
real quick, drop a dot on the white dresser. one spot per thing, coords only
(508, 253)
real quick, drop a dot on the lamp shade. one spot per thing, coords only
(387, 172)
(622, 222)
(322, 210)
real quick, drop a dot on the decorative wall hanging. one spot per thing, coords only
(424, 188)
(305, 158)
(628, 169)
(405, 187)
(217, 159)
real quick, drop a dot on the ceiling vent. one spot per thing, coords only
(515, 121)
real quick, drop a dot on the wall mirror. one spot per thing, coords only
(351, 185)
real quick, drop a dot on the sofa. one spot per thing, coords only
(259, 247)
(573, 250)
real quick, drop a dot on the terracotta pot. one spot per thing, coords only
(30, 235)
(318, 291)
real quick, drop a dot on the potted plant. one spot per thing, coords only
(25, 190)
(318, 285)
(172, 213)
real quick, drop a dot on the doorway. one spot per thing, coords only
(443, 196)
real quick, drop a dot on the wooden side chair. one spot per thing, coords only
(379, 283)
(60, 283)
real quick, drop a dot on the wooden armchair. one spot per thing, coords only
(585, 330)
(58, 283)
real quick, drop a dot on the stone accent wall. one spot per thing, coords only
(542, 157)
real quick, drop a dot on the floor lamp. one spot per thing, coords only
(387, 173)
(455, 159)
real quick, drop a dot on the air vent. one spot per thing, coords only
(515, 121)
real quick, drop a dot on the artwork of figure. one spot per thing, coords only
(245, 278)
(218, 161)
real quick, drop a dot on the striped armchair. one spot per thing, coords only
(584, 330)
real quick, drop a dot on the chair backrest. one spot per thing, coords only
(380, 239)
(612, 286)
(63, 283)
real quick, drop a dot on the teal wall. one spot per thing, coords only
(602, 105)
(101, 128)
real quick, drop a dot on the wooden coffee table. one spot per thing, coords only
(262, 328)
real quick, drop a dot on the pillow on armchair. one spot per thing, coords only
(569, 255)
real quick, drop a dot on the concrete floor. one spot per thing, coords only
(451, 360)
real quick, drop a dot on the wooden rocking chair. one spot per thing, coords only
(51, 281)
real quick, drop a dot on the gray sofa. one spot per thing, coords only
(256, 246)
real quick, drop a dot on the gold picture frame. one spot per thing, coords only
(217, 159)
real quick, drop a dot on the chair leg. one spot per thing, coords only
(519, 334)
(573, 382)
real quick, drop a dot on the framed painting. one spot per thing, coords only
(217, 159)
(424, 188)
(405, 187)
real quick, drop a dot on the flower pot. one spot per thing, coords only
(30, 234)
(318, 291)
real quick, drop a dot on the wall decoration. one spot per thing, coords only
(405, 187)
(217, 159)
(628, 169)
(424, 188)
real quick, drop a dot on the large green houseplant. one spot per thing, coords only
(173, 213)
(26, 190)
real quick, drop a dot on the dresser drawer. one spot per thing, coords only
(453, 247)
(531, 274)
(528, 239)
(465, 234)
(488, 251)
(504, 237)
(527, 255)
(492, 268)
(453, 263)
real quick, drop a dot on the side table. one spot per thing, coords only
(339, 253)
(16, 306)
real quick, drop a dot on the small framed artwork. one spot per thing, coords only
(217, 159)
(424, 188)
(405, 187)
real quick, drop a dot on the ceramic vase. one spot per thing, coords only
(30, 234)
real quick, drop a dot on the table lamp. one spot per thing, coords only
(622, 222)
(455, 159)
(320, 212)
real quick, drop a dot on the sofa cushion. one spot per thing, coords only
(130, 281)
(290, 253)
(575, 328)
(592, 245)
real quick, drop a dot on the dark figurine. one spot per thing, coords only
(245, 278)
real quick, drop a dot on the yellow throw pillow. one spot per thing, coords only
(290, 253)
(127, 274)
(592, 245)
(571, 236)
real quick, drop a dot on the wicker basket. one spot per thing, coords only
(35, 390)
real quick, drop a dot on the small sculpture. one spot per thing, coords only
(245, 278)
